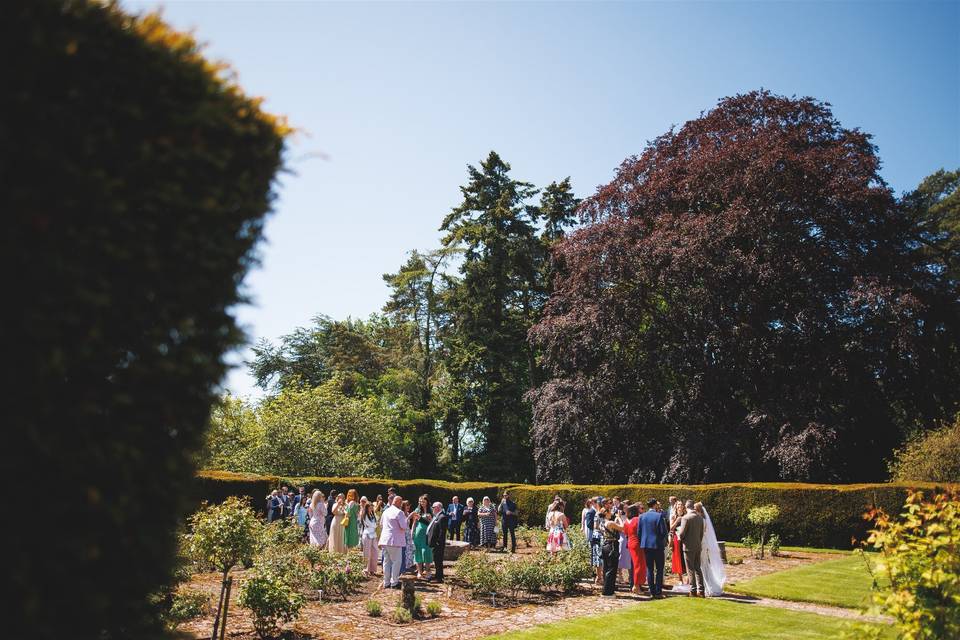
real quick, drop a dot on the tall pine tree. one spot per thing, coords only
(492, 308)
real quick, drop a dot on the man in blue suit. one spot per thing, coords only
(653, 538)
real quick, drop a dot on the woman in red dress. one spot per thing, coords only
(631, 529)
(677, 564)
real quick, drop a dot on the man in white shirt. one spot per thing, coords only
(393, 538)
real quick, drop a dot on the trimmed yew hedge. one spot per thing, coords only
(814, 515)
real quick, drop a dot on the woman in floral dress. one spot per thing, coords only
(557, 522)
(318, 514)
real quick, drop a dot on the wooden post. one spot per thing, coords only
(216, 620)
(408, 594)
(226, 607)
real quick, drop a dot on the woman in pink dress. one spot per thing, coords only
(317, 512)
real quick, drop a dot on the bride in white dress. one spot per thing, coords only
(714, 573)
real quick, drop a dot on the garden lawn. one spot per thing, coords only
(842, 583)
(680, 618)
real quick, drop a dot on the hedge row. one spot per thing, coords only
(815, 515)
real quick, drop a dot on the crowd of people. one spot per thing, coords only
(632, 538)
(628, 541)
(391, 532)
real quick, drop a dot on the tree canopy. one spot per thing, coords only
(748, 301)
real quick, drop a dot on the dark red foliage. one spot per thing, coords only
(745, 302)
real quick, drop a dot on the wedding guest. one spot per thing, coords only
(550, 509)
(368, 536)
(677, 563)
(300, 511)
(337, 525)
(351, 530)
(631, 530)
(557, 524)
(584, 527)
(672, 503)
(409, 551)
(455, 516)
(471, 523)
(437, 540)
(331, 500)
(287, 502)
(690, 533)
(318, 516)
(488, 523)
(424, 555)
(612, 526)
(653, 538)
(596, 541)
(393, 527)
(624, 564)
(508, 521)
(274, 506)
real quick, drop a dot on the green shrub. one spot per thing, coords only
(402, 616)
(525, 574)
(761, 518)
(417, 604)
(534, 537)
(482, 575)
(373, 609)
(187, 605)
(224, 535)
(338, 574)
(136, 179)
(812, 515)
(434, 609)
(933, 456)
(272, 601)
(774, 544)
(917, 579)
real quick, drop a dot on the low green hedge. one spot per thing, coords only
(813, 515)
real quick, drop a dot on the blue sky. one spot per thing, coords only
(395, 99)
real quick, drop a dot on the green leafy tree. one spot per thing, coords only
(762, 518)
(917, 580)
(416, 291)
(223, 536)
(931, 456)
(307, 431)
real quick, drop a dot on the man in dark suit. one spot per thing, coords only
(300, 498)
(286, 502)
(653, 538)
(508, 520)
(455, 514)
(331, 500)
(437, 540)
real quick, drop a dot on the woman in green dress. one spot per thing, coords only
(423, 554)
(351, 532)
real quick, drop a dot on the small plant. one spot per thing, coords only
(373, 609)
(434, 609)
(337, 573)
(402, 616)
(187, 605)
(272, 601)
(761, 518)
(774, 544)
(417, 603)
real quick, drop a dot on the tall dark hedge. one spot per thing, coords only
(816, 515)
(135, 182)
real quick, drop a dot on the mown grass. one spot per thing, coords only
(844, 582)
(681, 618)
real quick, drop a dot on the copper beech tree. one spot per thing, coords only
(747, 300)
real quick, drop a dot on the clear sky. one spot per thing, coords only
(395, 99)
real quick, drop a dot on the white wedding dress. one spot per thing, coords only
(714, 573)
